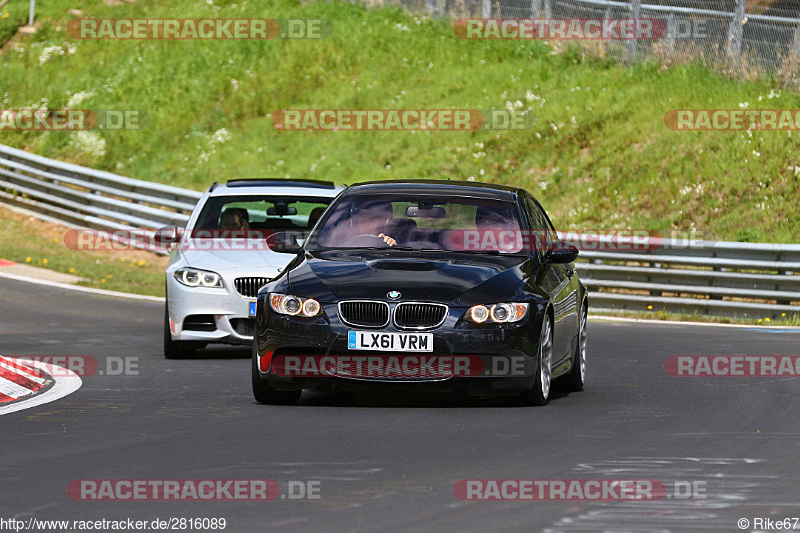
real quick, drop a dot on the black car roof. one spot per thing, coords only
(468, 188)
(276, 182)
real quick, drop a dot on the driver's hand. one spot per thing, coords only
(388, 240)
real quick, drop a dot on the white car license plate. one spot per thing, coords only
(390, 342)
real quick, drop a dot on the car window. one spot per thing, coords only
(249, 212)
(544, 235)
(455, 223)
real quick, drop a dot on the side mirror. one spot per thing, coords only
(167, 235)
(284, 242)
(561, 253)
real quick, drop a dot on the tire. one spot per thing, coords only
(177, 349)
(265, 394)
(539, 393)
(576, 379)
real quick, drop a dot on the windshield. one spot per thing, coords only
(449, 223)
(260, 213)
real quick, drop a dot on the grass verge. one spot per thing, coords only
(599, 155)
(26, 240)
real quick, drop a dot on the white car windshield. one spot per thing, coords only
(260, 213)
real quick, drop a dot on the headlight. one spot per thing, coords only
(286, 304)
(192, 277)
(496, 313)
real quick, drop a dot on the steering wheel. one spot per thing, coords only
(366, 239)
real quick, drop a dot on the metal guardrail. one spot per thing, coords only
(733, 33)
(768, 39)
(708, 277)
(88, 198)
(690, 11)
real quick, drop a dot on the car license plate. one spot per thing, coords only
(390, 342)
(253, 308)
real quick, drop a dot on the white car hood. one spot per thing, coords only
(222, 259)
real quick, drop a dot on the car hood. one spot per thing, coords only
(455, 279)
(222, 259)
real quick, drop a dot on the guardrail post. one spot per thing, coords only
(735, 30)
(33, 8)
(783, 272)
(486, 8)
(672, 29)
(633, 44)
(548, 10)
(796, 48)
(536, 9)
(432, 7)
(716, 269)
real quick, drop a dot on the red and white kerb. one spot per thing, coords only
(18, 381)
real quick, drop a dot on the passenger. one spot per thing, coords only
(314, 217)
(498, 222)
(235, 218)
(493, 218)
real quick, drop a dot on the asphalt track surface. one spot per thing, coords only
(389, 461)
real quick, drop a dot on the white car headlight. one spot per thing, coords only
(286, 304)
(193, 277)
(496, 313)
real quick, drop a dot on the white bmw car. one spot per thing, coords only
(221, 260)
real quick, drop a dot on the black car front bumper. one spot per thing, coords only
(507, 353)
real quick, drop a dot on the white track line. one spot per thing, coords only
(681, 323)
(80, 289)
(160, 299)
(66, 382)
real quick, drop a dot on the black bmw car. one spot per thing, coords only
(456, 285)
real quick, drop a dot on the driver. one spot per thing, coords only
(374, 219)
(235, 218)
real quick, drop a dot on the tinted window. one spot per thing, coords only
(544, 235)
(441, 223)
